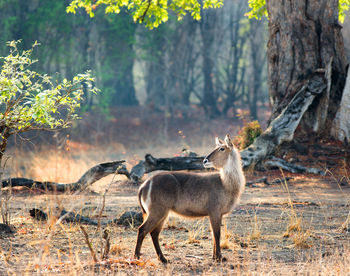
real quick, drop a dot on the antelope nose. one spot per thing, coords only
(205, 161)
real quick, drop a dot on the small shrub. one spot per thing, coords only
(256, 229)
(5, 199)
(196, 232)
(246, 136)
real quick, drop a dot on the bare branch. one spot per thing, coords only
(86, 236)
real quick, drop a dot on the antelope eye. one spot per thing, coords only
(222, 149)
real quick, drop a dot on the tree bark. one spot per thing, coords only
(304, 36)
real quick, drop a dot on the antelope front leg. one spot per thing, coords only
(215, 222)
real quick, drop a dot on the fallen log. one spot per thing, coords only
(275, 162)
(127, 219)
(69, 217)
(265, 181)
(260, 180)
(6, 229)
(151, 164)
(89, 177)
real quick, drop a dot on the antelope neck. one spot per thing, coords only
(231, 173)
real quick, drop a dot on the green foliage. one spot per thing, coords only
(150, 12)
(258, 9)
(246, 136)
(344, 5)
(29, 100)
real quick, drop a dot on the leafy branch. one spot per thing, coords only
(150, 12)
(32, 101)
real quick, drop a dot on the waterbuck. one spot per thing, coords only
(193, 195)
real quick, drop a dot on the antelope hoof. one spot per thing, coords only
(219, 259)
(137, 256)
(163, 260)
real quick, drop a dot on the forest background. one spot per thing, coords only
(161, 79)
(183, 70)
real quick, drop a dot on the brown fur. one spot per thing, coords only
(193, 195)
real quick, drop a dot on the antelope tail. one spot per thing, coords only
(140, 202)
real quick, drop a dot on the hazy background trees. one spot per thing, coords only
(217, 64)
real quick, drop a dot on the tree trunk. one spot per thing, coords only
(233, 70)
(180, 68)
(341, 126)
(154, 75)
(118, 33)
(258, 61)
(303, 37)
(207, 30)
(5, 134)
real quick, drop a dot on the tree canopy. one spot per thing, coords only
(150, 12)
(153, 13)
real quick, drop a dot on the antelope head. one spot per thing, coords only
(218, 157)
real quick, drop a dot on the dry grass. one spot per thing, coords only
(172, 222)
(60, 249)
(256, 229)
(196, 231)
(226, 236)
(296, 229)
(117, 249)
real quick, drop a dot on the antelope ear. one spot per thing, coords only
(218, 142)
(228, 141)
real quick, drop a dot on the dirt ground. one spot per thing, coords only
(277, 229)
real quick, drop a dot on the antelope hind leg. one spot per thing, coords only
(147, 226)
(140, 236)
(155, 239)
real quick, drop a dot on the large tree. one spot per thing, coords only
(305, 36)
